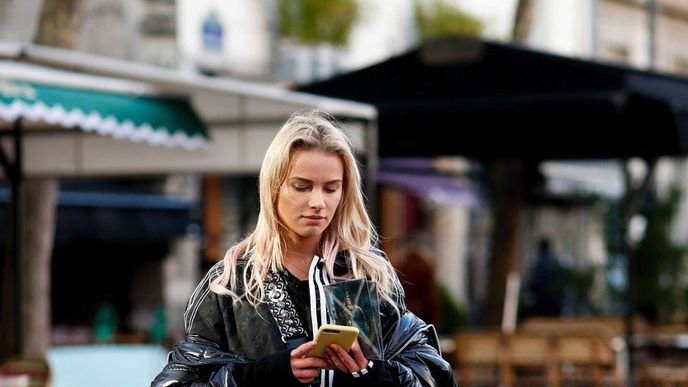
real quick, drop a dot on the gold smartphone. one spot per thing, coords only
(327, 334)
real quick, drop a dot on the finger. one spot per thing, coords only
(306, 375)
(349, 363)
(302, 349)
(305, 369)
(359, 357)
(334, 359)
(311, 362)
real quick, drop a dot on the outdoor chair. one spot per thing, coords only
(29, 372)
(529, 361)
(659, 375)
(586, 361)
(479, 357)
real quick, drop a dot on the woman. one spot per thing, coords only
(250, 321)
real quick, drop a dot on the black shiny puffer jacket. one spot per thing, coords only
(221, 335)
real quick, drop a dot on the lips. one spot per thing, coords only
(314, 219)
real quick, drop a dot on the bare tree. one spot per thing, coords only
(58, 27)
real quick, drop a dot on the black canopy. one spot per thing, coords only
(488, 100)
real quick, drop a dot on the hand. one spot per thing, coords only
(305, 369)
(343, 361)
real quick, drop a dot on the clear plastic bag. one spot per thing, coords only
(355, 303)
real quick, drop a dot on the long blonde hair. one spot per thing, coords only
(350, 229)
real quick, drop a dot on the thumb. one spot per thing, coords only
(302, 349)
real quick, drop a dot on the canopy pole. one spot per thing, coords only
(631, 205)
(18, 228)
(631, 267)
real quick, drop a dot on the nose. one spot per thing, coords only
(316, 199)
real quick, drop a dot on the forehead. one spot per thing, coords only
(315, 165)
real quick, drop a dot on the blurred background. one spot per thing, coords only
(524, 161)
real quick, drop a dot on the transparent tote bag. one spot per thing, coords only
(355, 303)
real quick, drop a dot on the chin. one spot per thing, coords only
(306, 234)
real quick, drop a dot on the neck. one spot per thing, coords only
(297, 264)
(301, 248)
(298, 256)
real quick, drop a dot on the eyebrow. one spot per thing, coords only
(310, 181)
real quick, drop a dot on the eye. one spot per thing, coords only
(301, 187)
(331, 189)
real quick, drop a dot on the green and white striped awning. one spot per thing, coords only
(159, 121)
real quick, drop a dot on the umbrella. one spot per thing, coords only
(493, 101)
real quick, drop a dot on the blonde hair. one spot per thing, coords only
(350, 229)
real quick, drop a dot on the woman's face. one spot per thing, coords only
(310, 194)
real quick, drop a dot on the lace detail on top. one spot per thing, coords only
(282, 308)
